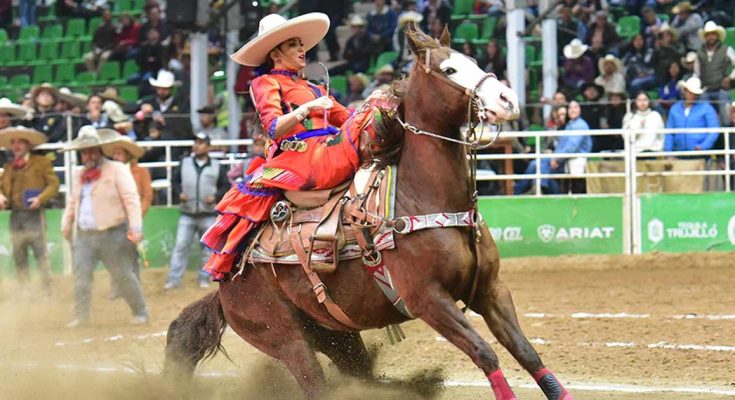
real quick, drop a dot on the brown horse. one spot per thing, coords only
(432, 269)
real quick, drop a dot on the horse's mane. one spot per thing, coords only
(389, 134)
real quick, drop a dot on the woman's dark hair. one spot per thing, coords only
(668, 69)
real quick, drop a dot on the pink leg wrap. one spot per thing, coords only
(551, 386)
(501, 389)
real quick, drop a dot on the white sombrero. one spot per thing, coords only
(126, 144)
(712, 27)
(693, 85)
(33, 136)
(12, 109)
(89, 136)
(75, 99)
(610, 58)
(274, 30)
(164, 79)
(575, 49)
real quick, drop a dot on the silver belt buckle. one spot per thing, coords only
(294, 145)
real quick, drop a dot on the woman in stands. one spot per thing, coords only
(305, 149)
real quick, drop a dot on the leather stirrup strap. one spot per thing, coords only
(320, 290)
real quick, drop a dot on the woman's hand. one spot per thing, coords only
(322, 103)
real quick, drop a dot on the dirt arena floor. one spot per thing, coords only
(625, 327)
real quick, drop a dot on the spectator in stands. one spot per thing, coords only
(6, 14)
(690, 113)
(492, 59)
(336, 10)
(95, 115)
(578, 67)
(639, 62)
(381, 23)
(383, 78)
(208, 122)
(715, 60)
(687, 23)
(150, 59)
(614, 112)
(558, 118)
(592, 110)
(124, 150)
(27, 12)
(78, 9)
(650, 26)
(153, 14)
(643, 122)
(436, 10)
(602, 29)
(564, 145)
(357, 84)
(127, 39)
(468, 49)
(669, 92)
(611, 73)
(174, 52)
(690, 65)
(45, 119)
(400, 41)
(239, 170)
(104, 42)
(568, 28)
(667, 50)
(200, 182)
(166, 108)
(104, 209)
(28, 183)
(359, 49)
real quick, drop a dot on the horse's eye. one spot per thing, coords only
(450, 71)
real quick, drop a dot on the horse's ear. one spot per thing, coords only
(445, 40)
(411, 31)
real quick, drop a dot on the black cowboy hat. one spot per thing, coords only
(600, 89)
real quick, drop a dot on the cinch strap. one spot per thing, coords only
(441, 220)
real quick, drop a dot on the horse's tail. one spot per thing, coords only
(194, 335)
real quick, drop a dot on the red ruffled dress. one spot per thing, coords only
(331, 157)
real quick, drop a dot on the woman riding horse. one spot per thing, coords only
(306, 150)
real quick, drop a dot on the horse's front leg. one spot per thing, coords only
(437, 308)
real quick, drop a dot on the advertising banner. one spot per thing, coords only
(554, 226)
(688, 222)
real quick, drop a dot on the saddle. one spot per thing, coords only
(317, 228)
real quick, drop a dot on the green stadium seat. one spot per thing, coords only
(7, 55)
(730, 37)
(75, 28)
(122, 6)
(462, 9)
(465, 32)
(110, 72)
(338, 84)
(53, 33)
(129, 93)
(94, 23)
(50, 15)
(26, 54)
(129, 69)
(64, 73)
(42, 73)
(652, 94)
(383, 59)
(664, 17)
(629, 26)
(29, 34)
(49, 52)
(20, 81)
(3, 37)
(3, 80)
(85, 78)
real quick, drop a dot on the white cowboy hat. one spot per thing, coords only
(385, 69)
(712, 27)
(357, 20)
(410, 16)
(126, 144)
(609, 58)
(165, 79)
(575, 49)
(75, 99)
(114, 112)
(14, 110)
(689, 58)
(693, 85)
(274, 30)
(665, 27)
(33, 136)
(89, 136)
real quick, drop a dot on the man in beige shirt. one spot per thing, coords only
(104, 210)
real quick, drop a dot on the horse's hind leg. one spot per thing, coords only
(495, 304)
(437, 308)
(258, 313)
(345, 349)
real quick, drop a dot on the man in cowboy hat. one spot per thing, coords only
(124, 150)
(200, 183)
(166, 108)
(611, 73)
(28, 183)
(10, 114)
(666, 50)
(359, 48)
(104, 210)
(687, 22)
(715, 59)
(690, 113)
(46, 119)
(208, 122)
(578, 67)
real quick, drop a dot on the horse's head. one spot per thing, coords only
(496, 102)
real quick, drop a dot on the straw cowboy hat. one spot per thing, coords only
(410, 16)
(575, 49)
(712, 27)
(44, 86)
(362, 78)
(683, 6)
(114, 112)
(164, 79)
(357, 20)
(665, 27)
(33, 136)
(124, 143)
(12, 109)
(610, 58)
(274, 30)
(385, 69)
(110, 93)
(75, 99)
(89, 137)
(693, 85)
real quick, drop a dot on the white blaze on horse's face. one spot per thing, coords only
(499, 102)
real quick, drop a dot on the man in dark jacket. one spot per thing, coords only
(200, 183)
(103, 43)
(358, 49)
